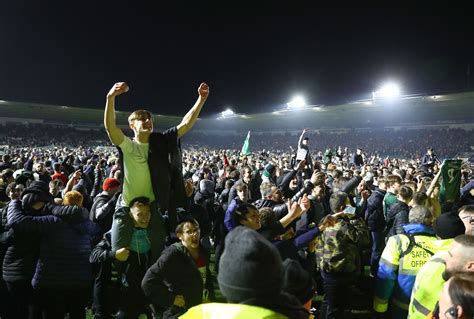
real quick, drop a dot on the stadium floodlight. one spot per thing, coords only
(388, 90)
(227, 113)
(297, 102)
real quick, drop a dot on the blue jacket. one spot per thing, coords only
(228, 213)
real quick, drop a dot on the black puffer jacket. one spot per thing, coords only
(102, 213)
(374, 212)
(279, 209)
(6, 236)
(397, 216)
(21, 256)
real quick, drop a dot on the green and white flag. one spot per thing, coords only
(451, 180)
(246, 147)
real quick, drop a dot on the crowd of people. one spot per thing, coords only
(394, 143)
(146, 227)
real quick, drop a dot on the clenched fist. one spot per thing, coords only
(203, 90)
(117, 89)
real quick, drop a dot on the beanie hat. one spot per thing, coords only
(268, 170)
(297, 281)
(206, 186)
(109, 183)
(449, 225)
(250, 267)
(37, 191)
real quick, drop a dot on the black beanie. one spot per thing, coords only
(449, 225)
(297, 281)
(37, 191)
(250, 267)
(270, 168)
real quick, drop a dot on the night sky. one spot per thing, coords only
(254, 59)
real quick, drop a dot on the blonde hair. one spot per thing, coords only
(73, 198)
(139, 115)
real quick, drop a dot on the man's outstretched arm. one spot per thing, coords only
(115, 134)
(190, 118)
(300, 140)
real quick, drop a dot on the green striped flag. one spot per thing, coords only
(451, 180)
(246, 146)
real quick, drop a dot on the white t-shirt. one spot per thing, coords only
(137, 179)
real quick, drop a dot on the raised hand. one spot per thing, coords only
(118, 88)
(304, 203)
(203, 90)
(122, 254)
(294, 208)
(77, 175)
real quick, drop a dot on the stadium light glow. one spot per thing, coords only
(296, 102)
(388, 90)
(227, 113)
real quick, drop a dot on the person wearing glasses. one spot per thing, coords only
(180, 278)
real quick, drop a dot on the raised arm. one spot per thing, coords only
(301, 137)
(190, 118)
(295, 210)
(434, 182)
(115, 134)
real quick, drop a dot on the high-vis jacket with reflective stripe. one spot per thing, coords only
(428, 284)
(399, 266)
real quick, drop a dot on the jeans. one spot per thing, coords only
(336, 294)
(378, 245)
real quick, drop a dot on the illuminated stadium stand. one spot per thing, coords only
(434, 111)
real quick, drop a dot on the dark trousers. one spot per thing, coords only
(6, 310)
(220, 246)
(56, 303)
(133, 303)
(336, 294)
(132, 299)
(378, 245)
(21, 299)
(101, 294)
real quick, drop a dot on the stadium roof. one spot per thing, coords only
(455, 108)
